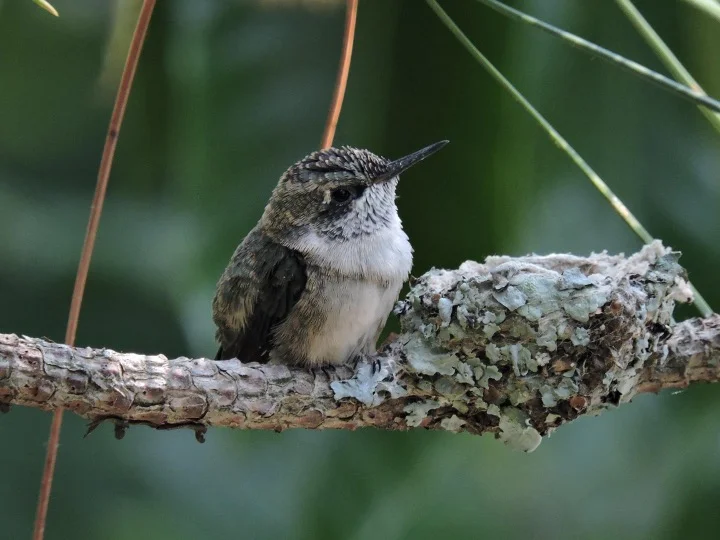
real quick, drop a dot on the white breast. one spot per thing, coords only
(356, 313)
(385, 255)
(352, 286)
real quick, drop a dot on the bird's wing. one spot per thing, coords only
(257, 291)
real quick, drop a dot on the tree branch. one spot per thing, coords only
(515, 347)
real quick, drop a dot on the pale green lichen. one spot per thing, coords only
(520, 357)
(453, 424)
(520, 329)
(460, 405)
(490, 330)
(456, 330)
(494, 410)
(511, 297)
(427, 330)
(445, 307)
(548, 335)
(580, 337)
(464, 316)
(425, 386)
(423, 360)
(516, 431)
(368, 385)
(531, 312)
(477, 366)
(465, 373)
(581, 307)
(508, 316)
(542, 359)
(564, 330)
(573, 278)
(548, 396)
(516, 355)
(489, 317)
(627, 383)
(538, 286)
(490, 372)
(641, 348)
(551, 395)
(570, 372)
(520, 394)
(449, 388)
(493, 353)
(417, 412)
(565, 388)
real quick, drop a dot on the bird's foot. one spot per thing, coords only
(121, 426)
(329, 371)
(374, 362)
(376, 366)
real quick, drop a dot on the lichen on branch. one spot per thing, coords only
(514, 346)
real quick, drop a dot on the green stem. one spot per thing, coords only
(47, 7)
(665, 54)
(587, 46)
(558, 139)
(711, 7)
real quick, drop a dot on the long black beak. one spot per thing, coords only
(394, 168)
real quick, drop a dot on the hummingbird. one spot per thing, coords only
(313, 283)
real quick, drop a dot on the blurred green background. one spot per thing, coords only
(227, 96)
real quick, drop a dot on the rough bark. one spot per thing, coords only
(515, 347)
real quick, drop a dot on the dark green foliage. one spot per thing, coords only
(228, 95)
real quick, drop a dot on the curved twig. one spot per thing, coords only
(118, 113)
(342, 75)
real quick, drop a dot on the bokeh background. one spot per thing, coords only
(227, 96)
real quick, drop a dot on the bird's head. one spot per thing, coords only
(339, 193)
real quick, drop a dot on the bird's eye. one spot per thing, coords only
(341, 195)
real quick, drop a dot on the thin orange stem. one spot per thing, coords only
(342, 76)
(111, 138)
